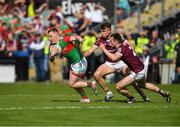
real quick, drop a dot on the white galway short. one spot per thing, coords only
(80, 67)
(117, 66)
(138, 76)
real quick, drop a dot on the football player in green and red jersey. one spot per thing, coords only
(65, 46)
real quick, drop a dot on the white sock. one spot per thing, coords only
(109, 92)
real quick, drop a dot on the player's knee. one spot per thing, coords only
(119, 88)
(125, 71)
(97, 75)
(71, 84)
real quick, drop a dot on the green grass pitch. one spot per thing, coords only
(48, 104)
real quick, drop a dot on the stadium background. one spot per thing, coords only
(30, 99)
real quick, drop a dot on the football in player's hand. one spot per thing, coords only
(51, 58)
(55, 49)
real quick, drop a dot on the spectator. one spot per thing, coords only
(81, 23)
(15, 22)
(170, 46)
(130, 38)
(142, 40)
(3, 8)
(21, 7)
(145, 57)
(37, 47)
(97, 16)
(90, 39)
(177, 58)
(22, 57)
(2, 47)
(155, 39)
(46, 55)
(38, 23)
(124, 6)
(11, 44)
(35, 6)
(87, 13)
(5, 31)
(58, 13)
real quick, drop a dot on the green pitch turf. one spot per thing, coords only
(49, 104)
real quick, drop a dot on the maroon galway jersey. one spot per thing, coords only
(130, 58)
(107, 45)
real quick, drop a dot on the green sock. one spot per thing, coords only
(82, 94)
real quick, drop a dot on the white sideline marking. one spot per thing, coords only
(27, 95)
(81, 107)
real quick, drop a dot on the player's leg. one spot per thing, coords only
(72, 80)
(126, 71)
(140, 92)
(121, 87)
(101, 71)
(154, 88)
(79, 83)
(77, 72)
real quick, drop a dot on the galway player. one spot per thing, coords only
(126, 53)
(109, 66)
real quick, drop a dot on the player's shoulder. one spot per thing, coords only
(125, 43)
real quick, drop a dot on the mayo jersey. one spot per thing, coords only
(69, 50)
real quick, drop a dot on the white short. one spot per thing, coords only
(80, 67)
(138, 76)
(117, 66)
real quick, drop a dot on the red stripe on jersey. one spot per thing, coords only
(67, 38)
(70, 45)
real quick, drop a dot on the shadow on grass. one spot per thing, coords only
(65, 100)
(101, 100)
(121, 101)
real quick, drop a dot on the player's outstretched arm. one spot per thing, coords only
(76, 37)
(90, 51)
(112, 56)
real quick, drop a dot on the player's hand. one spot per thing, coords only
(54, 50)
(81, 40)
(102, 46)
(51, 58)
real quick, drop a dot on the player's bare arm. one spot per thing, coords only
(112, 56)
(90, 51)
(76, 37)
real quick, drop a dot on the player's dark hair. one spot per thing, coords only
(106, 25)
(118, 37)
(53, 29)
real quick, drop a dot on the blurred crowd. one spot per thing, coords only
(23, 26)
(23, 38)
